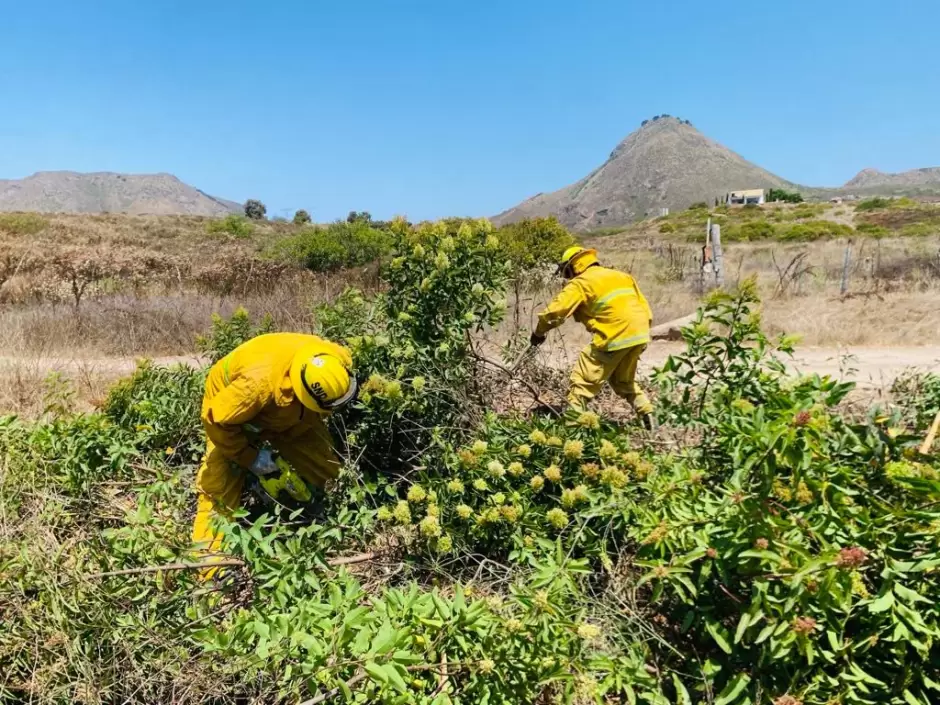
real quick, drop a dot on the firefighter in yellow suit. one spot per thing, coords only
(610, 305)
(275, 389)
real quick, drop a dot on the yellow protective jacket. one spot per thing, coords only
(251, 386)
(609, 304)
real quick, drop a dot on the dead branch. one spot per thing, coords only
(533, 390)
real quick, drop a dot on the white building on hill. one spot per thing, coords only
(745, 197)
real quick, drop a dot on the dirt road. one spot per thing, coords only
(868, 366)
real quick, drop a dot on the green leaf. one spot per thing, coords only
(742, 627)
(682, 695)
(376, 672)
(765, 633)
(733, 690)
(882, 604)
(909, 698)
(344, 689)
(908, 594)
(394, 677)
(719, 634)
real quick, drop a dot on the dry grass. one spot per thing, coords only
(182, 274)
(892, 297)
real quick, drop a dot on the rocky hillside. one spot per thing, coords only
(872, 178)
(665, 163)
(107, 192)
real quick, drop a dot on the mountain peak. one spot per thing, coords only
(666, 162)
(874, 179)
(108, 192)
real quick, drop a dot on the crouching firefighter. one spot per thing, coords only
(263, 412)
(610, 305)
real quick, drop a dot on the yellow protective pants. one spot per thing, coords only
(219, 482)
(595, 367)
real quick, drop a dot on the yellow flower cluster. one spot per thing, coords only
(402, 512)
(416, 494)
(608, 451)
(455, 486)
(552, 473)
(589, 419)
(657, 534)
(537, 483)
(525, 450)
(510, 512)
(515, 469)
(573, 450)
(571, 497)
(557, 518)
(588, 631)
(555, 442)
(614, 477)
(479, 447)
(590, 470)
(804, 495)
(538, 438)
(496, 469)
(430, 527)
(463, 511)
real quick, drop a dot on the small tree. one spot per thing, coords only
(255, 209)
(301, 217)
(359, 217)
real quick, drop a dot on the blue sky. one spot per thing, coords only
(456, 108)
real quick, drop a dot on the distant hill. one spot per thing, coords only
(872, 178)
(665, 163)
(108, 192)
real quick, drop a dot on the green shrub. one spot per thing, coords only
(666, 228)
(776, 194)
(753, 230)
(872, 229)
(699, 206)
(255, 209)
(872, 204)
(228, 334)
(815, 230)
(918, 396)
(301, 217)
(920, 229)
(235, 225)
(777, 550)
(160, 407)
(22, 223)
(336, 246)
(533, 242)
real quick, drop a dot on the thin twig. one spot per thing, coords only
(533, 390)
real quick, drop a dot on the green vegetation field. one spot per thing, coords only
(767, 546)
(802, 222)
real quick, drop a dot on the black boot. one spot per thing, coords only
(648, 421)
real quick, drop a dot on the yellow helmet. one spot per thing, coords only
(575, 260)
(321, 381)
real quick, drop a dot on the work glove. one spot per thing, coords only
(535, 340)
(264, 464)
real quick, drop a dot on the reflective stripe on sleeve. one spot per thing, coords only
(607, 298)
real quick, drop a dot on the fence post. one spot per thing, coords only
(844, 287)
(718, 256)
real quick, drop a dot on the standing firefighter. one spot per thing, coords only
(612, 307)
(274, 390)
